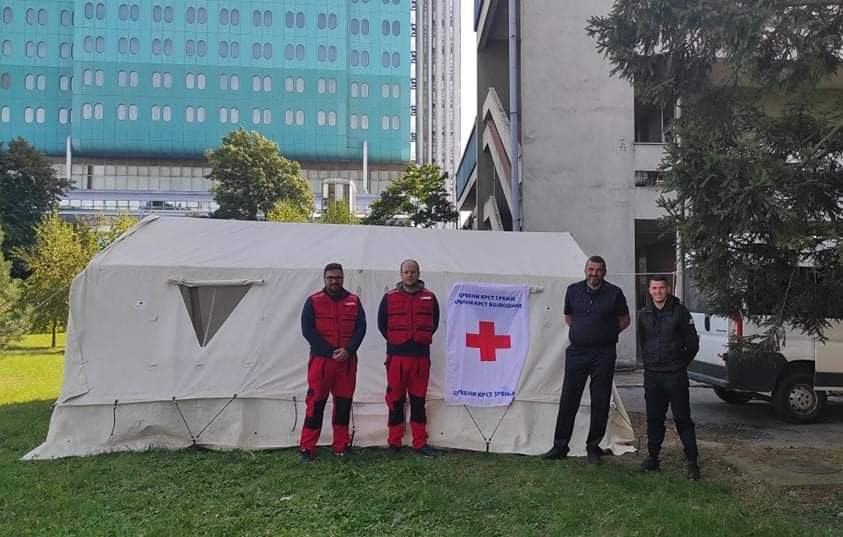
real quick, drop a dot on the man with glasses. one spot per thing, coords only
(334, 323)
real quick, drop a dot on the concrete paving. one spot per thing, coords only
(754, 422)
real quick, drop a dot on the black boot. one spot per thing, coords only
(555, 453)
(693, 471)
(650, 464)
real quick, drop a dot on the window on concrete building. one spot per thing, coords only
(653, 124)
(5, 114)
(63, 116)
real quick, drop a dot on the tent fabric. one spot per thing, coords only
(137, 377)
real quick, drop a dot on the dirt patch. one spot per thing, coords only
(791, 478)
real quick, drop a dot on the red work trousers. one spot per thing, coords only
(328, 376)
(407, 374)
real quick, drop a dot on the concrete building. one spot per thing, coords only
(437, 50)
(585, 154)
(127, 96)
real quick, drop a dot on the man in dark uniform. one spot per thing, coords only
(334, 323)
(596, 312)
(408, 316)
(669, 340)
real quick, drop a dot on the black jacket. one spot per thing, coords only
(667, 336)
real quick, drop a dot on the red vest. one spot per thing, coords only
(335, 319)
(409, 317)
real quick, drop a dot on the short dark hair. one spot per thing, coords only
(332, 266)
(658, 278)
(596, 259)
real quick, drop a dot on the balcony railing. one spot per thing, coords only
(467, 164)
(478, 8)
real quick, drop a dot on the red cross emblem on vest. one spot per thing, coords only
(487, 341)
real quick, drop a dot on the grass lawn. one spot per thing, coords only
(373, 493)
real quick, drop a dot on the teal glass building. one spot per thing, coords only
(167, 79)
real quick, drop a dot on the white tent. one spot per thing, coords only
(187, 331)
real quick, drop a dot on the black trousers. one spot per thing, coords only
(579, 366)
(661, 390)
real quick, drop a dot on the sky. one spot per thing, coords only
(468, 71)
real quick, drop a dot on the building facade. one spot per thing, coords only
(131, 94)
(587, 150)
(437, 50)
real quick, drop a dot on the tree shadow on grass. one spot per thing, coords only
(23, 426)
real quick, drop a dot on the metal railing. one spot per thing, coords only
(467, 164)
(478, 8)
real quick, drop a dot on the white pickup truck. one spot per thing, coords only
(796, 379)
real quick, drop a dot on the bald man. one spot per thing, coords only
(408, 316)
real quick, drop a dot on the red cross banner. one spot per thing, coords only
(488, 338)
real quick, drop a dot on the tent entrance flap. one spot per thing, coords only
(209, 304)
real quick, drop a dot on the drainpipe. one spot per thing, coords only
(68, 159)
(365, 181)
(514, 115)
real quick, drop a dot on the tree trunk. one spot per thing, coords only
(53, 344)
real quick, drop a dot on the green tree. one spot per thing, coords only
(250, 176)
(753, 175)
(418, 198)
(337, 212)
(106, 229)
(284, 211)
(29, 188)
(12, 320)
(59, 253)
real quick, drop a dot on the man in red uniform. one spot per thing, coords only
(334, 323)
(407, 317)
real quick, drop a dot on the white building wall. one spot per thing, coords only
(578, 142)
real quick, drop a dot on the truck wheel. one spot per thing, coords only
(794, 399)
(732, 397)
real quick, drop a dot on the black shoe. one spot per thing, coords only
(650, 464)
(595, 458)
(395, 449)
(693, 471)
(344, 453)
(305, 456)
(555, 453)
(426, 451)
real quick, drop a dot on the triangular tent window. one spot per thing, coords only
(210, 303)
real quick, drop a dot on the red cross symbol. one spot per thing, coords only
(487, 341)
